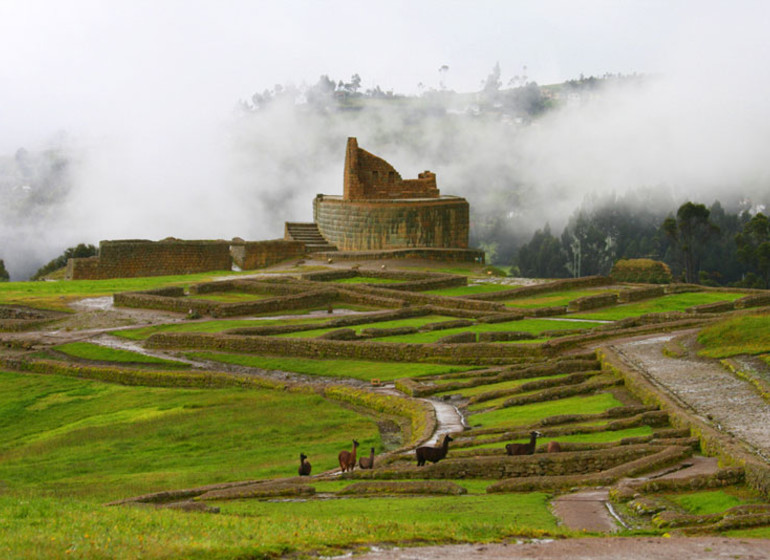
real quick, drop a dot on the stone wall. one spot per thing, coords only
(135, 258)
(393, 224)
(370, 177)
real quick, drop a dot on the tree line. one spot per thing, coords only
(701, 245)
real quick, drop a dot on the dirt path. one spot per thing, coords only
(705, 387)
(617, 548)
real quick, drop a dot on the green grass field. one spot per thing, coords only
(552, 299)
(530, 413)
(740, 335)
(90, 351)
(676, 302)
(70, 437)
(471, 289)
(143, 333)
(355, 369)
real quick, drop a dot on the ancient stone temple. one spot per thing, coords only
(379, 210)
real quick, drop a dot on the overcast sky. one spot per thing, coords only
(80, 65)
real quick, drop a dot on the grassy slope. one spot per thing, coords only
(356, 369)
(676, 302)
(89, 351)
(102, 441)
(739, 335)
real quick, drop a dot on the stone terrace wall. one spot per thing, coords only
(393, 224)
(259, 254)
(135, 258)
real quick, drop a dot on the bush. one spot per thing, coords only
(79, 252)
(646, 271)
(4, 276)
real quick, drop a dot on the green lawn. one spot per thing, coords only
(534, 326)
(51, 527)
(410, 322)
(56, 295)
(596, 437)
(97, 441)
(356, 369)
(480, 389)
(89, 351)
(674, 302)
(530, 413)
(367, 280)
(738, 335)
(552, 299)
(471, 289)
(710, 501)
(220, 325)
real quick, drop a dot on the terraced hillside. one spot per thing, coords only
(395, 359)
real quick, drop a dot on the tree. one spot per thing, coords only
(79, 252)
(754, 247)
(542, 257)
(690, 232)
(4, 276)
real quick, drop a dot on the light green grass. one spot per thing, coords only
(410, 322)
(356, 369)
(57, 295)
(79, 438)
(143, 333)
(55, 528)
(748, 334)
(675, 302)
(480, 389)
(471, 289)
(708, 501)
(89, 351)
(530, 413)
(596, 437)
(534, 326)
(552, 299)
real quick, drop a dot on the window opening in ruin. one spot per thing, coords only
(391, 177)
(375, 176)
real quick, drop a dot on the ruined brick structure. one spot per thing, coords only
(135, 258)
(380, 210)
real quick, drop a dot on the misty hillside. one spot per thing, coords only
(526, 157)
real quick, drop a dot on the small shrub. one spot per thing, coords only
(646, 271)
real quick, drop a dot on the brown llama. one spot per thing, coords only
(304, 465)
(523, 448)
(432, 454)
(553, 447)
(347, 459)
(367, 462)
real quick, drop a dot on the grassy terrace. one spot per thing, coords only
(744, 335)
(68, 444)
(534, 326)
(95, 352)
(355, 369)
(675, 302)
(143, 333)
(57, 295)
(552, 299)
(530, 413)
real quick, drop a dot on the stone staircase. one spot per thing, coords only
(307, 232)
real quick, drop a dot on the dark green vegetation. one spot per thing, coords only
(710, 246)
(82, 425)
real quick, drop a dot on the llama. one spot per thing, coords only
(523, 448)
(432, 454)
(348, 458)
(304, 465)
(367, 462)
(553, 447)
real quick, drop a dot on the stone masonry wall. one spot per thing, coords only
(393, 224)
(135, 258)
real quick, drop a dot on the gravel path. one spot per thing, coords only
(709, 390)
(702, 548)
